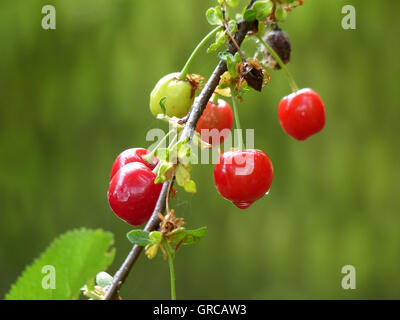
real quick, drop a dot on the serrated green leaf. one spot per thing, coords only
(139, 237)
(75, 258)
(189, 237)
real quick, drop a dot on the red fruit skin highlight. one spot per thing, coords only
(132, 194)
(302, 114)
(243, 176)
(131, 155)
(216, 116)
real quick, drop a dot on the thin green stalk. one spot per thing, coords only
(236, 114)
(214, 98)
(290, 78)
(186, 67)
(171, 269)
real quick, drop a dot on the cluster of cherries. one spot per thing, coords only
(132, 193)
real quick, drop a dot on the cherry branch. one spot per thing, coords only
(196, 111)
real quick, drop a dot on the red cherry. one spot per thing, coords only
(132, 194)
(216, 116)
(131, 155)
(243, 176)
(302, 114)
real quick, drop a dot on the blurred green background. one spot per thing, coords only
(71, 99)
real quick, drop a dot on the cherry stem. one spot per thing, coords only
(186, 67)
(290, 78)
(236, 115)
(214, 98)
(171, 269)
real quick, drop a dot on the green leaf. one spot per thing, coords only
(280, 13)
(182, 175)
(221, 38)
(232, 25)
(155, 237)
(189, 237)
(219, 14)
(237, 58)
(184, 152)
(165, 172)
(233, 3)
(74, 259)
(231, 65)
(139, 237)
(263, 9)
(162, 105)
(190, 186)
(249, 15)
(214, 16)
(162, 154)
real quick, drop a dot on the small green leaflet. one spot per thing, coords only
(189, 237)
(139, 237)
(214, 15)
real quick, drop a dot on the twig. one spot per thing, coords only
(196, 111)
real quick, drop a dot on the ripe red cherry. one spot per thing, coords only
(302, 114)
(243, 176)
(215, 116)
(132, 194)
(131, 155)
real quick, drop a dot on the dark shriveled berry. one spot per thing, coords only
(279, 41)
(253, 76)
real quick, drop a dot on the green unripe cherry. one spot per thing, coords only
(179, 93)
